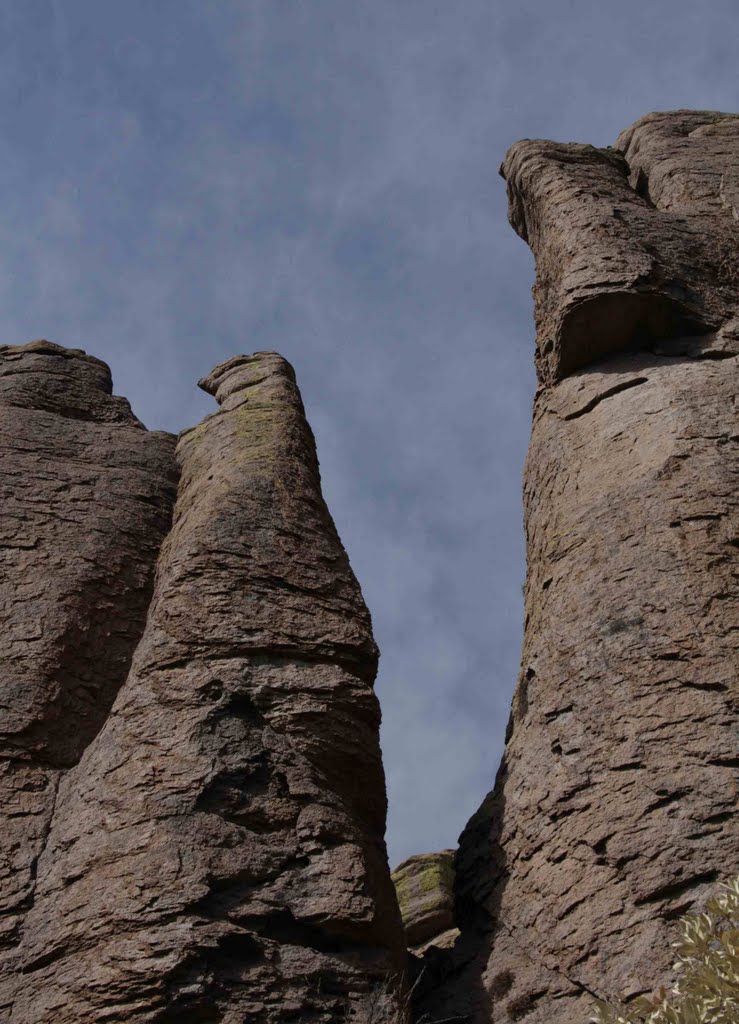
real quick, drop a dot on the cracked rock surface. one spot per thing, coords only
(425, 888)
(632, 244)
(216, 853)
(614, 809)
(86, 499)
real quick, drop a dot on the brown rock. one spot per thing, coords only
(616, 266)
(196, 834)
(424, 885)
(614, 810)
(86, 495)
(217, 854)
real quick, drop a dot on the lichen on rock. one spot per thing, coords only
(217, 853)
(425, 887)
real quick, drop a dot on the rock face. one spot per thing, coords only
(425, 888)
(86, 499)
(614, 810)
(217, 852)
(191, 790)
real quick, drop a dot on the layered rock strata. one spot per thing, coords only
(614, 810)
(217, 853)
(86, 496)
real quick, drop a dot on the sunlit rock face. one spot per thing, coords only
(614, 809)
(210, 847)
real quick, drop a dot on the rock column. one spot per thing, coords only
(86, 495)
(614, 810)
(217, 855)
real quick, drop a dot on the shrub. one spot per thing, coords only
(707, 987)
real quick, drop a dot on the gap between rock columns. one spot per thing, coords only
(218, 853)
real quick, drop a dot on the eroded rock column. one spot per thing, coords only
(86, 495)
(217, 855)
(614, 810)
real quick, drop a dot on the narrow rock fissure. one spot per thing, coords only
(594, 402)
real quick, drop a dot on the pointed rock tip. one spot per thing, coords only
(240, 372)
(521, 153)
(672, 125)
(530, 165)
(434, 856)
(677, 121)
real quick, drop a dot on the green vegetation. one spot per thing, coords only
(707, 987)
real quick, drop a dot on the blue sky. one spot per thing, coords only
(184, 180)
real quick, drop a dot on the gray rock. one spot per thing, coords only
(425, 888)
(623, 259)
(191, 786)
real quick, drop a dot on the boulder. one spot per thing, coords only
(424, 885)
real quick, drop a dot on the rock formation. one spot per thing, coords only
(216, 853)
(191, 789)
(87, 497)
(614, 810)
(425, 888)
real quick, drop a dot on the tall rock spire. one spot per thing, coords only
(614, 810)
(218, 853)
(86, 496)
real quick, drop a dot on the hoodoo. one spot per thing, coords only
(614, 810)
(86, 498)
(192, 801)
(217, 854)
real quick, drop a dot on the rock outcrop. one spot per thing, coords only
(87, 497)
(425, 888)
(614, 810)
(217, 852)
(191, 789)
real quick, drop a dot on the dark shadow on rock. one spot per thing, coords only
(449, 982)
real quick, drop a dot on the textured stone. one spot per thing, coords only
(629, 248)
(217, 854)
(424, 885)
(86, 496)
(614, 810)
(193, 832)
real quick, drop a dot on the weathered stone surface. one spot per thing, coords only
(630, 248)
(684, 162)
(217, 853)
(86, 495)
(193, 832)
(424, 885)
(614, 810)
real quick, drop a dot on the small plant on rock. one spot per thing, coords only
(707, 987)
